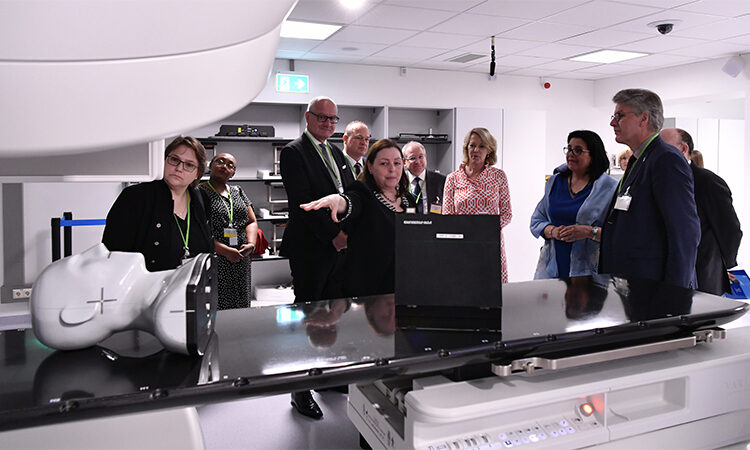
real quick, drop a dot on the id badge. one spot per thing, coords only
(231, 233)
(411, 210)
(436, 208)
(623, 202)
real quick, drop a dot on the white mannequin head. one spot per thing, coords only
(81, 300)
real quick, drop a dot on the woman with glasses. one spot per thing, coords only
(479, 188)
(234, 229)
(163, 219)
(570, 215)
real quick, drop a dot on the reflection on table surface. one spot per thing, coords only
(275, 348)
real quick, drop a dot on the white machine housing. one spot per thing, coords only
(689, 398)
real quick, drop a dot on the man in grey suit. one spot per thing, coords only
(425, 185)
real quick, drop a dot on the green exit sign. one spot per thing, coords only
(288, 82)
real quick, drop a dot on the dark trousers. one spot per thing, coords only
(318, 278)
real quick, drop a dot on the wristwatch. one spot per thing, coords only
(594, 232)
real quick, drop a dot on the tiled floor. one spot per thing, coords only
(271, 423)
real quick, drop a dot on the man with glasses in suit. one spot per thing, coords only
(311, 168)
(425, 185)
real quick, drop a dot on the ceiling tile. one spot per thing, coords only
(612, 69)
(338, 57)
(660, 3)
(327, 11)
(726, 8)
(605, 38)
(532, 72)
(443, 5)
(289, 54)
(558, 51)
(372, 35)
(564, 65)
(438, 40)
(405, 18)
(579, 76)
(723, 29)
(743, 40)
(409, 54)
(602, 13)
(546, 32)
(348, 48)
(525, 9)
(661, 60)
(502, 46)
(687, 20)
(478, 25)
(521, 61)
(712, 50)
(298, 45)
(659, 44)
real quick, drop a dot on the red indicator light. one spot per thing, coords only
(587, 409)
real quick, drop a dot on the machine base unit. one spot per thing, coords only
(688, 398)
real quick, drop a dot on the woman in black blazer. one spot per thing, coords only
(163, 219)
(368, 208)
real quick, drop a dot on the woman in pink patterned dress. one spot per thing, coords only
(477, 187)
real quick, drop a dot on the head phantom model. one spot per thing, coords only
(81, 300)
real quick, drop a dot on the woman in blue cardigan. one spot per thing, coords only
(570, 215)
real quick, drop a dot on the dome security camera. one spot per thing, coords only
(664, 26)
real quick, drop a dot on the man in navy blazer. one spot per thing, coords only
(652, 228)
(720, 227)
(429, 194)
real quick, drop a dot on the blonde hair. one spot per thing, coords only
(488, 140)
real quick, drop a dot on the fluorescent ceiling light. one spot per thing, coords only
(352, 4)
(307, 30)
(607, 56)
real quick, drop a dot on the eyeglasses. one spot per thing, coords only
(187, 166)
(359, 137)
(414, 158)
(222, 162)
(576, 150)
(617, 117)
(322, 117)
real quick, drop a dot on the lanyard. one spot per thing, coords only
(637, 159)
(420, 191)
(230, 210)
(326, 158)
(185, 237)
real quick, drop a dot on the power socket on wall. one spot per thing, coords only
(15, 293)
(21, 293)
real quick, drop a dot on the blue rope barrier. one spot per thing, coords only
(82, 222)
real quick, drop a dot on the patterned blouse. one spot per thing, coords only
(488, 194)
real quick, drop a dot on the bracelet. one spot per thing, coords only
(348, 207)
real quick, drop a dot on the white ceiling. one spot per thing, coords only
(532, 37)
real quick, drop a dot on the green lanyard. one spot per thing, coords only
(186, 236)
(230, 210)
(637, 159)
(326, 158)
(420, 192)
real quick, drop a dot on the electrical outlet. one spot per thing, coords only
(21, 293)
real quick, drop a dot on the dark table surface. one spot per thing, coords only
(269, 350)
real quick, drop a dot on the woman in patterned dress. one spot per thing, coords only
(369, 207)
(234, 229)
(479, 188)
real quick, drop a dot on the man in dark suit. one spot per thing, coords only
(426, 185)
(356, 143)
(720, 227)
(311, 168)
(652, 228)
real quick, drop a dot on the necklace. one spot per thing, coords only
(570, 188)
(392, 200)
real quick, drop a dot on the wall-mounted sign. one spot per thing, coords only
(290, 82)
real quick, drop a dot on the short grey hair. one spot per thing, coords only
(414, 144)
(353, 125)
(643, 101)
(317, 100)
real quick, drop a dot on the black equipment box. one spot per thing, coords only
(247, 130)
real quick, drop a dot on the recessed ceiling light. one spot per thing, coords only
(307, 30)
(607, 56)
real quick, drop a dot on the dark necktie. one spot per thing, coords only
(417, 191)
(357, 169)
